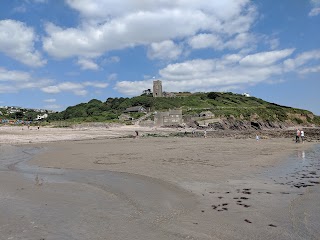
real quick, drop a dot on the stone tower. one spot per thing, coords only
(157, 88)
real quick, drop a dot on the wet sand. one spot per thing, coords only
(160, 188)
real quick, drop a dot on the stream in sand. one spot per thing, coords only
(40, 203)
(280, 202)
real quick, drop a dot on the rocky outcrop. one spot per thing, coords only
(311, 134)
(235, 124)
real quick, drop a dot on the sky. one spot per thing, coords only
(59, 53)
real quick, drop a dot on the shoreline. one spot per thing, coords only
(23, 135)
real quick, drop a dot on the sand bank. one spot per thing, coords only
(22, 135)
(171, 159)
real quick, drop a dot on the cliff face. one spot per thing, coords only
(233, 124)
(311, 134)
(255, 122)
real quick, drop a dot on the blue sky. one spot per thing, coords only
(58, 53)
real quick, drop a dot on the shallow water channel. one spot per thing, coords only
(82, 204)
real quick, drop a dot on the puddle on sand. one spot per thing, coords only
(299, 177)
(300, 170)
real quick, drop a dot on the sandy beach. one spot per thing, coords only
(108, 186)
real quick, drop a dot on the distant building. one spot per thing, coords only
(1, 113)
(170, 118)
(41, 117)
(246, 94)
(125, 117)
(13, 110)
(136, 109)
(206, 114)
(157, 88)
(168, 94)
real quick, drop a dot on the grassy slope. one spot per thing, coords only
(221, 104)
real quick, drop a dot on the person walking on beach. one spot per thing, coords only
(298, 135)
(137, 134)
(205, 134)
(302, 136)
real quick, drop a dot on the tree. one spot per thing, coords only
(213, 95)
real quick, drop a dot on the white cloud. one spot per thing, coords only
(87, 64)
(218, 42)
(316, 8)
(14, 81)
(108, 25)
(188, 70)
(314, 12)
(7, 88)
(17, 41)
(164, 50)
(50, 100)
(112, 77)
(133, 88)
(240, 40)
(102, 9)
(75, 88)
(308, 70)
(96, 84)
(233, 71)
(206, 40)
(51, 89)
(301, 59)
(52, 107)
(18, 76)
(36, 1)
(266, 58)
(113, 59)
(80, 92)
(274, 43)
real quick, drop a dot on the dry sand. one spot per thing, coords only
(21, 135)
(155, 187)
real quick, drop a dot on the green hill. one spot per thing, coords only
(220, 104)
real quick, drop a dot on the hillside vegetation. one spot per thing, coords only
(220, 104)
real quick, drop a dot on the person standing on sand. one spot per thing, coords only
(205, 134)
(297, 135)
(302, 136)
(137, 134)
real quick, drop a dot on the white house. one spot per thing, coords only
(246, 94)
(41, 117)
